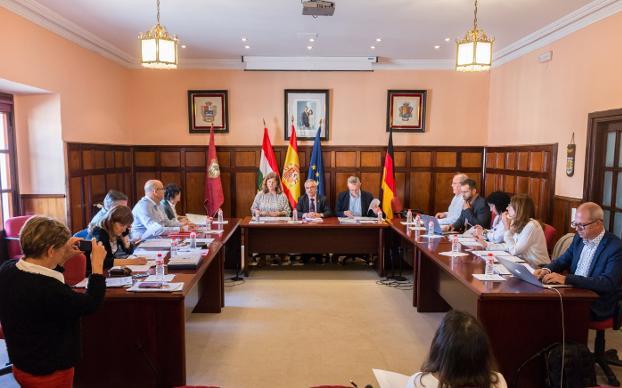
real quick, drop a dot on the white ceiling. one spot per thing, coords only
(212, 29)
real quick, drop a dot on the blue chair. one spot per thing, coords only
(84, 233)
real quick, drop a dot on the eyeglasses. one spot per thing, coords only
(578, 226)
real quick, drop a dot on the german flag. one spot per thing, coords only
(388, 182)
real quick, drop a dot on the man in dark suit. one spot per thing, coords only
(594, 261)
(355, 202)
(311, 204)
(475, 210)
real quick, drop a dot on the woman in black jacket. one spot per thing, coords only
(112, 232)
(40, 314)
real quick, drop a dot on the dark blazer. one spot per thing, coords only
(477, 214)
(167, 209)
(605, 273)
(321, 205)
(343, 203)
(102, 236)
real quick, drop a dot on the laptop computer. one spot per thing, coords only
(426, 221)
(521, 272)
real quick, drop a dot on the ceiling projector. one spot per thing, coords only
(317, 8)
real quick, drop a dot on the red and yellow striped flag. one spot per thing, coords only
(291, 170)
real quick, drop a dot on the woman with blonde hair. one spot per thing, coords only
(524, 235)
(112, 231)
(270, 200)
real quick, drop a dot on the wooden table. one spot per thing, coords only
(520, 318)
(327, 237)
(138, 339)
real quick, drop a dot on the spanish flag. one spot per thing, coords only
(388, 181)
(291, 170)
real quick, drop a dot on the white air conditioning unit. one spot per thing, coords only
(309, 63)
(317, 8)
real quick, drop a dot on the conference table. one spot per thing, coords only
(520, 318)
(138, 339)
(328, 236)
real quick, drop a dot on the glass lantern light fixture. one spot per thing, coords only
(159, 49)
(474, 51)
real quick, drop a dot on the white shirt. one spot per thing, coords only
(496, 233)
(529, 244)
(150, 220)
(454, 211)
(25, 266)
(587, 255)
(420, 380)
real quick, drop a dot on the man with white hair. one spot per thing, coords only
(356, 202)
(593, 261)
(149, 218)
(446, 219)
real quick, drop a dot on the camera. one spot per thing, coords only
(85, 245)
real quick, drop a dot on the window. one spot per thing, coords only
(9, 193)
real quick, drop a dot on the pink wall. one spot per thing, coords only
(536, 103)
(457, 105)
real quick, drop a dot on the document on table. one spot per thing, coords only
(197, 219)
(274, 219)
(346, 220)
(317, 220)
(153, 278)
(187, 258)
(484, 277)
(110, 282)
(494, 253)
(207, 240)
(166, 287)
(136, 268)
(470, 244)
(388, 379)
(213, 231)
(149, 255)
(157, 243)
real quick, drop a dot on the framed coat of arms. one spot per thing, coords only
(207, 108)
(406, 110)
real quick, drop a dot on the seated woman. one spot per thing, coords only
(172, 196)
(40, 314)
(271, 201)
(460, 356)
(113, 198)
(112, 232)
(524, 235)
(498, 202)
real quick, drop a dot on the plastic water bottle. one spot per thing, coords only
(173, 249)
(455, 245)
(257, 216)
(159, 269)
(380, 219)
(431, 228)
(295, 215)
(409, 217)
(418, 220)
(221, 218)
(490, 264)
(193, 240)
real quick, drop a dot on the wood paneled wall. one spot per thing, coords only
(52, 205)
(562, 211)
(423, 173)
(524, 169)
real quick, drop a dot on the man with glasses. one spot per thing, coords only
(475, 210)
(445, 219)
(593, 260)
(149, 218)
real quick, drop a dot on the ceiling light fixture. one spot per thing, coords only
(372, 47)
(244, 39)
(311, 40)
(437, 47)
(183, 46)
(447, 39)
(474, 51)
(309, 47)
(378, 40)
(247, 47)
(158, 47)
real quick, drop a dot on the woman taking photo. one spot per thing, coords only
(271, 201)
(40, 314)
(524, 235)
(112, 232)
(460, 356)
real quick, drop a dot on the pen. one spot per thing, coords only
(353, 384)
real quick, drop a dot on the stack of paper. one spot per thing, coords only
(125, 281)
(346, 220)
(137, 268)
(317, 220)
(166, 287)
(196, 219)
(187, 260)
(153, 278)
(149, 255)
(275, 219)
(494, 253)
(157, 243)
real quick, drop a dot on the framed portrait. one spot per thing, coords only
(308, 107)
(406, 110)
(207, 108)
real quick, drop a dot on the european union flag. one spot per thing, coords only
(316, 165)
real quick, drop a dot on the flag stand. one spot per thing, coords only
(240, 268)
(397, 278)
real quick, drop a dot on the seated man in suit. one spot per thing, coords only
(149, 218)
(311, 204)
(475, 210)
(445, 219)
(355, 202)
(593, 260)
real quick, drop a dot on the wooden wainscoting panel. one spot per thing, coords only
(522, 184)
(421, 183)
(170, 159)
(87, 160)
(118, 159)
(112, 182)
(341, 181)
(370, 181)
(225, 178)
(510, 160)
(445, 159)
(345, 158)
(145, 159)
(51, 205)
(99, 159)
(109, 159)
(471, 159)
(74, 160)
(562, 213)
(195, 158)
(77, 206)
(246, 159)
(194, 198)
(98, 186)
(127, 156)
(224, 159)
(245, 186)
(536, 161)
(442, 191)
(523, 161)
(371, 159)
(399, 159)
(140, 179)
(421, 159)
(175, 177)
(327, 159)
(491, 180)
(401, 181)
(509, 183)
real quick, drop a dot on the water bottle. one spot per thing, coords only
(490, 264)
(295, 215)
(221, 218)
(257, 216)
(193, 240)
(409, 217)
(431, 228)
(173, 249)
(418, 220)
(455, 245)
(380, 219)
(159, 269)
